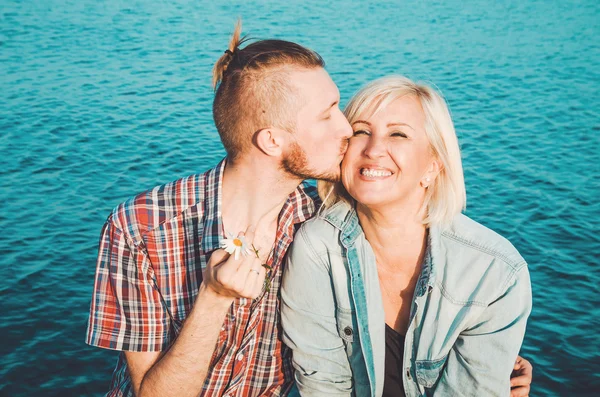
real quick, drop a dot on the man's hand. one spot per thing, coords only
(520, 379)
(235, 278)
(181, 370)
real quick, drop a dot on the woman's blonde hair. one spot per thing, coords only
(446, 195)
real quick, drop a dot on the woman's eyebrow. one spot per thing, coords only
(400, 125)
(361, 122)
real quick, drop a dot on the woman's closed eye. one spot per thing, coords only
(361, 132)
(399, 134)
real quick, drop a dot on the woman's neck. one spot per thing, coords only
(396, 234)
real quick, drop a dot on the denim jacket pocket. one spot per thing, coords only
(428, 371)
(346, 328)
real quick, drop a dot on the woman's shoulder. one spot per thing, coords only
(322, 232)
(328, 219)
(470, 235)
(474, 264)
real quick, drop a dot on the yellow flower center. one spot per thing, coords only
(237, 242)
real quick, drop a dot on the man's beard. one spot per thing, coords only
(296, 163)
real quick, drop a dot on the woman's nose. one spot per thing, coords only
(375, 148)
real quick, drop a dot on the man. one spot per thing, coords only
(189, 318)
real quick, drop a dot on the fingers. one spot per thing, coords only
(521, 380)
(520, 392)
(519, 359)
(249, 235)
(518, 362)
(254, 282)
(526, 367)
(217, 271)
(254, 278)
(242, 278)
(236, 276)
(219, 256)
(259, 283)
(523, 365)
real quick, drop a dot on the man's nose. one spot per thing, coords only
(346, 129)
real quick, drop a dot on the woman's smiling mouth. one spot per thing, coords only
(374, 173)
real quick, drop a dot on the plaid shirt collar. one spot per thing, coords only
(212, 208)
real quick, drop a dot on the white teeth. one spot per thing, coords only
(374, 173)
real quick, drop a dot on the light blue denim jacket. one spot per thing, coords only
(467, 319)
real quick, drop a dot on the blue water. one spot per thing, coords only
(101, 100)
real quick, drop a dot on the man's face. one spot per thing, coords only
(322, 131)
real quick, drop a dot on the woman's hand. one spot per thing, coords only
(520, 379)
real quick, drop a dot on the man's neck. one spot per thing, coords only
(253, 194)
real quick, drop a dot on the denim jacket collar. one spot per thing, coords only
(343, 216)
(427, 277)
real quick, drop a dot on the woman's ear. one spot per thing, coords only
(434, 169)
(270, 141)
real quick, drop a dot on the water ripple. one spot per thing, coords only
(101, 100)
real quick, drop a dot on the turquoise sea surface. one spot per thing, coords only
(100, 100)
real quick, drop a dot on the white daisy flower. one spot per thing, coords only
(235, 245)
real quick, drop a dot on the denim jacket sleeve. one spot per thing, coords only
(308, 315)
(484, 354)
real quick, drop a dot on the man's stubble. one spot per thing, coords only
(296, 163)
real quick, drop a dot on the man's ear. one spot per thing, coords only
(270, 141)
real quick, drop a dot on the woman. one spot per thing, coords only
(391, 290)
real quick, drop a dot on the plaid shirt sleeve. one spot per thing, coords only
(126, 312)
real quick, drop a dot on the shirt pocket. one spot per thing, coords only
(347, 328)
(428, 371)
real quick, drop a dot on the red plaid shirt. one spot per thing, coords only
(152, 252)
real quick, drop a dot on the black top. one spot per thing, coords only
(394, 350)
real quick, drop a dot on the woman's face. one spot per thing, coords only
(389, 157)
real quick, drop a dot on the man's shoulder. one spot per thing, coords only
(148, 210)
(310, 191)
(306, 201)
